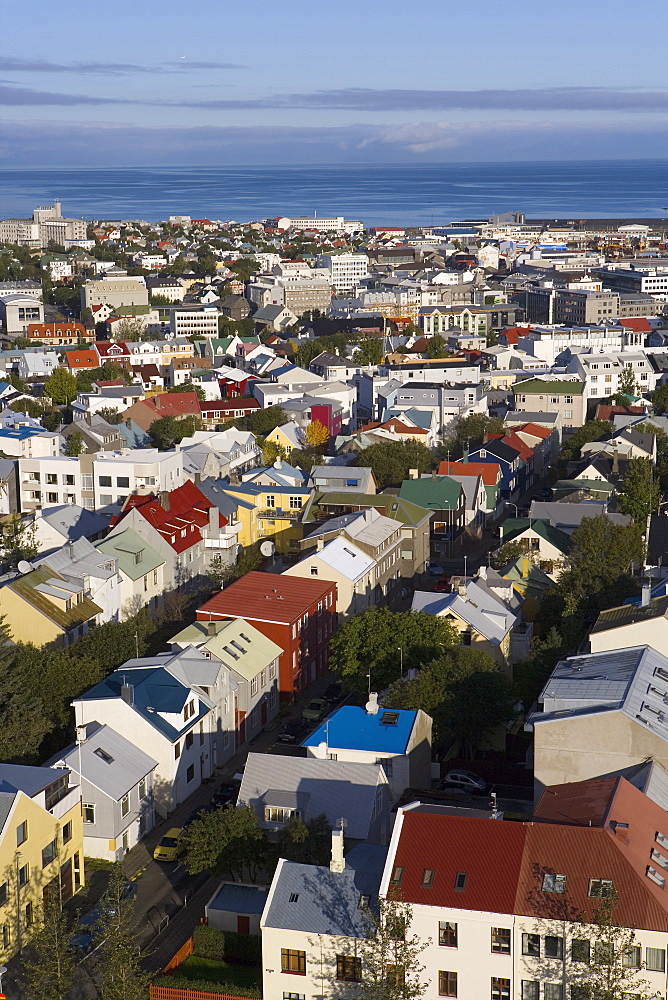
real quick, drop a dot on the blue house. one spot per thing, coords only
(509, 461)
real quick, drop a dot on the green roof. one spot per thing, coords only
(534, 584)
(395, 507)
(537, 385)
(126, 546)
(25, 587)
(514, 527)
(629, 614)
(131, 310)
(590, 485)
(246, 658)
(432, 492)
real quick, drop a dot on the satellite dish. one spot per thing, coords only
(267, 549)
(323, 747)
(24, 566)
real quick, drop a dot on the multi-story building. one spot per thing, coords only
(59, 334)
(299, 615)
(194, 321)
(567, 398)
(334, 224)
(46, 224)
(601, 373)
(346, 269)
(114, 289)
(647, 278)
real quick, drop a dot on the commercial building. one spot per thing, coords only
(346, 269)
(47, 223)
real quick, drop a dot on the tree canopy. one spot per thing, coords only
(640, 492)
(391, 461)
(227, 841)
(61, 387)
(168, 431)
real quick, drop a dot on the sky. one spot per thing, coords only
(142, 82)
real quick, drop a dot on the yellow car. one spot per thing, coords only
(169, 847)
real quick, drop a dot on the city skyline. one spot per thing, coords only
(306, 84)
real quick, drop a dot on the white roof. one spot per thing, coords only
(345, 558)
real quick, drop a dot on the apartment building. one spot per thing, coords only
(334, 224)
(194, 321)
(47, 224)
(114, 289)
(566, 398)
(601, 373)
(346, 269)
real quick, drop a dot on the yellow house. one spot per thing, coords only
(486, 629)
(42, 607)
(270, 512)
(41, 848)
(288, 436)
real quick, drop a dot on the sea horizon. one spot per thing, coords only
(378, 194)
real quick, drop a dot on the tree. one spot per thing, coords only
(132, 328)
(436, 346)
(316, 435)
(307, 843)
(306, 352)
(593, 430)
(601, 554)
(245, 268)
(17, 541)
(509, 553)
(271, 451)
(660, 399)
(222, 575)
(120, 958)
(51, 967)
(391, 955)
(189, 387)
(391, 462)
(166, 432)
(75, 444)
(111, 415)
(627, 381)
(61, 387)
(265, 421)
(640, 493)
(608, 976)
(226, 841)
(371, 643)
(52, 420)
(369, 351)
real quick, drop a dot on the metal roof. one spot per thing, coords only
(116, 770)
(273, 597)
(353, 728)
(25, 778)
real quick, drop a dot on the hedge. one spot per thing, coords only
(237, 949)
(180, 982)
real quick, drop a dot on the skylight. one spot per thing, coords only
(460, 881)
(427, 878)
(294, 896)
(103, 755)
(397, 875)
(389, 718)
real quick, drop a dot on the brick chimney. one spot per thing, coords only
(164, 500)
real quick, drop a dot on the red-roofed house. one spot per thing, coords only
(296, 613)
(185, 527)
(81, 360)
(59, 334)
(543, 441)
(489, 473)
(166, 404)
(639, 324)
(109, 351)
(217, 411)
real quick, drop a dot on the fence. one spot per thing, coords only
(183, 952)
(169, 993)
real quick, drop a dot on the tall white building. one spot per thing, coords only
(346, 269)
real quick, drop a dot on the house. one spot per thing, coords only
(81, 360)
(398, 739)
(251, 661)
(567, 398)
(483, 622)
(341, 478)
(53, 527)
(236, 908)
(298, 615)
(172, 404)
(28, 442)
(569, 516)
(140, 569)
(229, 452)
(279, 788)
(79, 563)
(41, 847)
(508, 457)
(600, 714)
(547, 545)
(43, 607)
(154, 703)
(280, 473)
(288, 436)
(59, 334)
(269, 512)
(446, 498)
(275, 318)
(644, 624)
(116, 781)
(215, 413)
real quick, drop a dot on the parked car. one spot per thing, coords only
(334, 692)
(435, 569)
(169, 848)
(226, 793)
(467, 780)
(315, 710)
(294, 732)
(443, 586)
(199, 811)
(92, 925)
(544, 494)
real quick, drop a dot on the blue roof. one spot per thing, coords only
(239, 898)
(353, 728)
(21, 433)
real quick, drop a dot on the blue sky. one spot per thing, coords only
(147, 82)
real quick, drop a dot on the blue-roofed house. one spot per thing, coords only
(159, 704)
(398, 739)
(315, 920)
(237, 908)
(29, 442)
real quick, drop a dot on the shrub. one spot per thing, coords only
(243, 949)
(209, 942)
(176, 981)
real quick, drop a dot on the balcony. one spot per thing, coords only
(68, 801)
(280, 514)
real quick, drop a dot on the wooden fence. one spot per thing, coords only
(170, 993)
(180, 956)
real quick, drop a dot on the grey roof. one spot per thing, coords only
(313, 899)
(567, 516)
(492, 622)
(214, 490)
(335, 788)
(6, 803)
(78, 559)
(25, 778)
(118, 769)
(72, 521)
(233, 898)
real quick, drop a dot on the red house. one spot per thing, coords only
(299, 615)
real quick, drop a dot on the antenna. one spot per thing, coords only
(342, 823)
(136, 645)
(23, 566)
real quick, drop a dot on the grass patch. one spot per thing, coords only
(97, 865)
(209, 969)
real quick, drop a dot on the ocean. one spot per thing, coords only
(378, 195)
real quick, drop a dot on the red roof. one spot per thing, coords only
(638, 324)
(394, 424)
(173, 404)
(186, 510)
(270, 597)
(489, 472)
(82, 359)
(55, 329)
(514, 441)
(505, 863)
(219, 405)
(110, 350)
(535, 430)
(606, 411)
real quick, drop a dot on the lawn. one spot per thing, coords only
(212, 971)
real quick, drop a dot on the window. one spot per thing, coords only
(553, 991)
(177, 751)
(24, 875)
(530, 989)
(190, 773)
(104, 480)
(6, 936)
(349, 967)
(580, 950)
(601, 887)
(69, 480)
(48, 854)
(397, 875)
(395, 975)
(632, 958)
(460, 881)
(189, 741)
(554, 883)
(52, 479)
(314, 570)
(3, 894)
(293, 961)
(447, 934)
(29, 914)
(189, 709)
(271, 501)
(294, 996)
(123, 482)
(67, 832)
(21, 833)
(501, 940)
(295, 503)
(389, 719)
(125, 805)
(103, 755)
(447, 984)
(554, 946)
(500, 988)
(253, 687)
(655, 959)
(89, 812)
(531, 945)
(427, 878)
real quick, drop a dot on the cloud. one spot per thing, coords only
(11, 96)
(540, 99)
(14, 64)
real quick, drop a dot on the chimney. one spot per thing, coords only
(211, 628)
(213, 519)
(128, 693)
(372, 704)
(413, 473)
(164, 500)
(615, 462)
(128, 422)
(156, 400)
(465, 453)
(338, 862)
(646, 593)
(320, 544)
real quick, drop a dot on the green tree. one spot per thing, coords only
(509, 553)
(51, 966)
(593, 430)
(601, 554)
(52, 420)
(391, 461)
(371, 643)
(120, 958)
(167, 432)
(436, 346)
(391, 955)
(61, 387)
(307, 843)
(369, 351)
(75, 444)
(609, 976)
(271, 451)
(227, 841)
(111, 415)
(222, 576)
(131, 329)
(189, 387)
(245, 268)
(17, 541)
(306, 352)
(660, 399)
(627, 381)
(264, 421)
(641, 492)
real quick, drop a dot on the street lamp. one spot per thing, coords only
(509, 503)
(3, 969)
(19, 940)
(401, 660)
